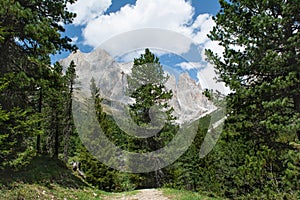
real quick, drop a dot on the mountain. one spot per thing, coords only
(188, 101)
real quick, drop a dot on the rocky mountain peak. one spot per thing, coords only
(188, 101)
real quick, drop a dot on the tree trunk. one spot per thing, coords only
(69, 124)
(38, 137)
(56, 137)
(297, 108)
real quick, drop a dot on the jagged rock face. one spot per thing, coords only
(188, 101)
(98, 65)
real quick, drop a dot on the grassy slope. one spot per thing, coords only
(185, 195)
(46, 178)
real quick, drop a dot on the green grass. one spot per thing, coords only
(53, 191)
(45, 178)
(119, 195)
(185, 195)
(44, 171)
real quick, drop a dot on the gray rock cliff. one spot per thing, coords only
(188, 101)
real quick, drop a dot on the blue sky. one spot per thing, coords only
(210, 7)
(103, 22)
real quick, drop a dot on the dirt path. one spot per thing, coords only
(146, 194)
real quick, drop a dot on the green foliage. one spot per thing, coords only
(145, 85)
(257, 156)
(292, 173)
(260, 64)
(185, 172)
(97, 173)
(29, 32)
(69, 130)
(36, 24)
(17, 126)
(53, 111)
(45, 178)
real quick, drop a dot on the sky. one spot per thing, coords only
(175, 30)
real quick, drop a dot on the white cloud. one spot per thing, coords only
(88, 10)
(214, 46)
(159, 40)
(165, 26)
(173, 15)
(169, 25)
(188, 65)
(202, 26)
(208, 79)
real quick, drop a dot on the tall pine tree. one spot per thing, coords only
(261, 65)
(29, 32)
(69, 129)
(146, 87)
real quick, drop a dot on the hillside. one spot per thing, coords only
(44, 178)
(47, 178)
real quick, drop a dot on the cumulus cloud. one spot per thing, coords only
(172, 15)
(208, 79)
(169, 25)
(123, 25)
(88, 10)
(201, 27)
(214, 46)
(156, 39)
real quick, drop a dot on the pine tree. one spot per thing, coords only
(264, 74)
(17, 126)
(30, 31)
(54, 111)
(69, 123)
(99, 174)
(146, 87)
(260, 64)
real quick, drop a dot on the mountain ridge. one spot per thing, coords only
(188, 100)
